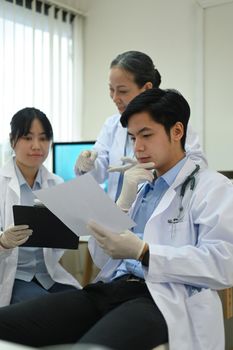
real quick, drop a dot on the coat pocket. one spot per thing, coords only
(205, 312)
(180, 233)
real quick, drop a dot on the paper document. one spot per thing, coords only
(78, 201)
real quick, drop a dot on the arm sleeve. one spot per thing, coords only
(207, 263)
(103, 147)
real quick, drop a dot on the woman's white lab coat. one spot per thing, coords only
(9, 196)
(110, 146)
(189, 260)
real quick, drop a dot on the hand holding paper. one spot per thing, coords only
(125, 245)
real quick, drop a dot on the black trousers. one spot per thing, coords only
(120, 315)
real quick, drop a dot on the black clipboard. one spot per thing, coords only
(48, 230)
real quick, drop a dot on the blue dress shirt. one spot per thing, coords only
(151, 194)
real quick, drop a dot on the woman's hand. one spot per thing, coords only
(14, 236)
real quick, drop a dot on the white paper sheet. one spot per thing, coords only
(78, 201)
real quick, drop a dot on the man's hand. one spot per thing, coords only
(85, 162)
(137, 174)
(125, 245)
(14, 236)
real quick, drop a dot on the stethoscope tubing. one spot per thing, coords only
(189, 180)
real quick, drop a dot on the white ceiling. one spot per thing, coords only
(79, 5)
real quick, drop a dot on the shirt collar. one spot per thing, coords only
(21, 179)
(171, 174)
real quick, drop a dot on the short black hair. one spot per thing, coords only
(166, 107)
(140, 66)
(22, 120)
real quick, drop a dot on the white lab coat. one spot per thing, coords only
(110, 146)
(9, 196)
(183, 255)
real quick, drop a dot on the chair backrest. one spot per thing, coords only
(227, 173)
(227, 294)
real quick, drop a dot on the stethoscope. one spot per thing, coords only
(189, 180)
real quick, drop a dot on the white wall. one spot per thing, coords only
(164, 29)
(219, 86)
(191, 43)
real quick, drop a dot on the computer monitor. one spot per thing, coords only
(64, 156)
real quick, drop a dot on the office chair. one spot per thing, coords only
(227, 294)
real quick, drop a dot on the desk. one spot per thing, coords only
(79, 262)
(12, 346)
(88, 263)
(87, 269)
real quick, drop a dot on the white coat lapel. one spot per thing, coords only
(8, 171)
(188, 167)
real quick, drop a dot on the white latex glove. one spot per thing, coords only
(38, 203)
(127, 164)
(85, 162)
(124, 245)
(14, 236)
(137, 174)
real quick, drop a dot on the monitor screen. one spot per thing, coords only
(64, 157)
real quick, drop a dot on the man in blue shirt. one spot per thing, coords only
(161, 278)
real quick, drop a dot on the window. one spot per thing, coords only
(41, 65)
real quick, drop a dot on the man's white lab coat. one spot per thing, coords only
(189, 260)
